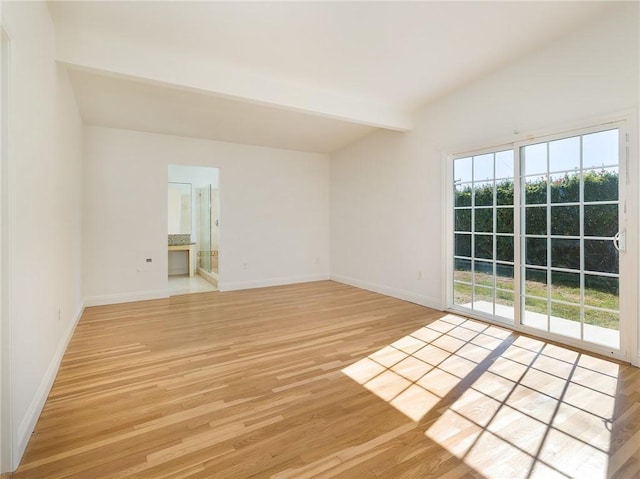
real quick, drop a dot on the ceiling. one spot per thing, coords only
(312, 76)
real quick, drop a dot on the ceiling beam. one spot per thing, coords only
(132, 60)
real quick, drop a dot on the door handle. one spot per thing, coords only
(619, 241)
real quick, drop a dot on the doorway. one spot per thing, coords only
(539, 238)
(193, 211)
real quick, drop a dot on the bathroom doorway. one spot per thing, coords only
(193, 222)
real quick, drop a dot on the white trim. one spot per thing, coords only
(32, 414)
(125, 297)
(429, 302)
(265, 283)
(7, 434)
(447, 249)
(633, 229)
(582, 345)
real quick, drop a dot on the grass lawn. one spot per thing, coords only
(592, 297)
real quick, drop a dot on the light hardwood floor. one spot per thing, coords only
(326, 380)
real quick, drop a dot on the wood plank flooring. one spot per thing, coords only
(325, 380)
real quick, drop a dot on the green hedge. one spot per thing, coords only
(600, 220)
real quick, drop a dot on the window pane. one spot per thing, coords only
(463, 245)
(564, 154)
(565, 320)
(601, 291)
(483, 193)
(463, 220)
(504, 192)
(604, 319)
(504, 220)
(535, 282)
(535, 220)
(565, 253)
(463, 195)
(565, 188)
(462, 270)
(600, 255)
(484, 220)
(484, 246)
(504, 164)
(504, 304)
(565, 311)
(504, 276)
(485, 297)
(483, 294)
(461, 294)
(535, 313)
(601, 185)
(600, 220)
(483, 167)
(535, 190)
(504, 248)
(565, 286)
(483, 273)
(535, 159)
(600, 149)
(462, 170)
(565, 220)
(602, 327)
(536, 251)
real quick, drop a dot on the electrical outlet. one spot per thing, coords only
(59, 313)
(317, 259)
(245, 265)
(419, 275)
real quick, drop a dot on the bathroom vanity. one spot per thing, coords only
(189, 248)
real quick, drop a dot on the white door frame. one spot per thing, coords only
(6, 423)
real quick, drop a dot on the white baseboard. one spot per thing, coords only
(32, 415)
(125, 297)
(420, 299)
(635, 361)
(264, 283)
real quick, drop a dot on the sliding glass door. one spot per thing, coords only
(570, 275)
(537, 236)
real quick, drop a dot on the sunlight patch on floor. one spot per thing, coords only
(414, 373)
(532, 409)
(542, 407)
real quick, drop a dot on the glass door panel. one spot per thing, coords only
(483, 263)
(204, 217)
(569, 216)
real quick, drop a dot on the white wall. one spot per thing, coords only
(387, 190)
(45, 165)
(274, 212)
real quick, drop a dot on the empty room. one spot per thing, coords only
(319, 239)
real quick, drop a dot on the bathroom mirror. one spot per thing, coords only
(179, 208)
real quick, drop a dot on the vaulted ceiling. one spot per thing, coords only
(310, 76)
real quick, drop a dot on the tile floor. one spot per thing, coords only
(183, 284)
